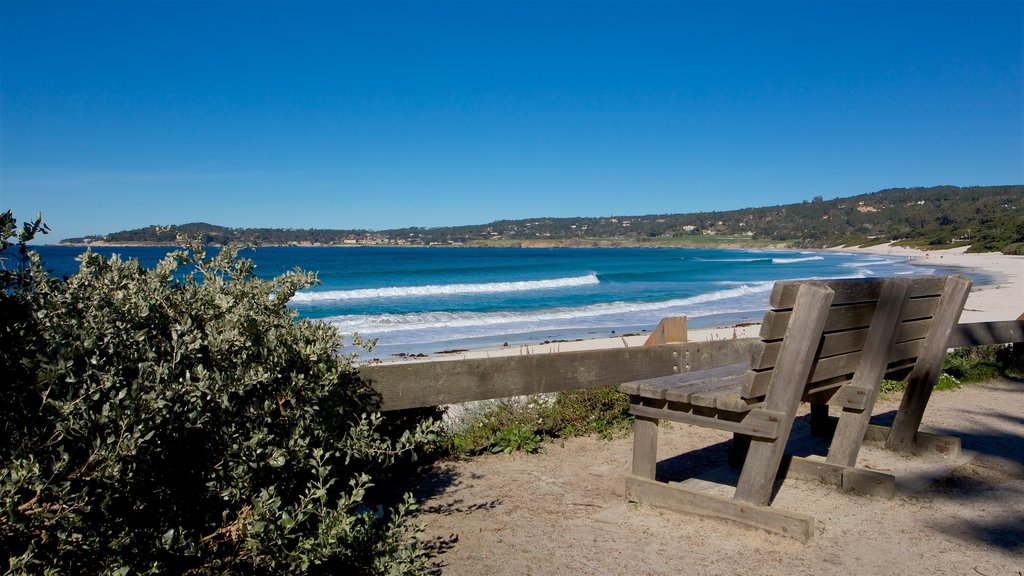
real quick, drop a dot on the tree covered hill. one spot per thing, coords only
(985, 217)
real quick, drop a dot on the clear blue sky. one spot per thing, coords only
(118, 115)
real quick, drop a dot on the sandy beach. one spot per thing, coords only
(1001, 300)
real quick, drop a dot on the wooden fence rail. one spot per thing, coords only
(981, 333)
(420, 384)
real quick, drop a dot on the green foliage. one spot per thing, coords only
(974, 364)
(971, 365)
(181, 420)
(603, 411)
(517, 425)
(1011, 359)
(948, 382)
(519, 437)
(893, 386)
(503, 426)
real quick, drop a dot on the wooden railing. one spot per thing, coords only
(434, 383)
(982, 333)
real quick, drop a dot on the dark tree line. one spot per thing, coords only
(985, 217)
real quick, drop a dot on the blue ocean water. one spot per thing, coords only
(432, 299)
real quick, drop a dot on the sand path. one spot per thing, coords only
(563, 511)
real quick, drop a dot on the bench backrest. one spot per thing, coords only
(845, 332)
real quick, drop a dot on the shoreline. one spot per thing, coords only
(602, 243)
(1003, 299)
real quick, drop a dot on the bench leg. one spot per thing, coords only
(848, 438)
(738, 450)
(911, 411)
(821, 426)
(645, 447)
(759, 470)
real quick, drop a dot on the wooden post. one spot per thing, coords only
(799, 348)
(645, 447)
(874, 359)
(738, 449)
(669, 331)
(928, 368)
(820, 424)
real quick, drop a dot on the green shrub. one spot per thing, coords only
(518, 437)
(973, 364)
(1011, 359)
(181, 420)
(970, 365)
(893, 386)
(601, 411)
(502, 426)
(523, 425)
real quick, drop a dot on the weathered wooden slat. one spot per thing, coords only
(761, 426)
(763, 457)
(791, 524)
(756, 383)
(848, 291)
(847, 317)
(838, 343)
(982, 333)
(709, 397)
(653, 388)
(733, 402)
(657, 387)
(419, 384)
(685, 395)
(848, 478)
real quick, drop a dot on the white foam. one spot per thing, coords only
(795, 260)
(387, 323)
(444, 289)
(872, 262)
(732, 259)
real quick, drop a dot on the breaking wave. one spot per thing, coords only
(443, 289)
(794, 260)
(388, 323)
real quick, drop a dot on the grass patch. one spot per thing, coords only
(971, 365)
(524, 425)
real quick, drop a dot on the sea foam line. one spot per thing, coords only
(444, 289)
(733, 259)
(795, 260)
(385, 323)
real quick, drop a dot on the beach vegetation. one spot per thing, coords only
(972, 365)
(525, 424)
(182, 420)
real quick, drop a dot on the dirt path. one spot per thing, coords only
(563, 512)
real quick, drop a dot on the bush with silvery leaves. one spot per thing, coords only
(182, 420)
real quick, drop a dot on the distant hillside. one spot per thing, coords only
(987, 218)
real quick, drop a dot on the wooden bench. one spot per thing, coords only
(825, 342)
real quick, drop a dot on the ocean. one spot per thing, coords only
(426, 300)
